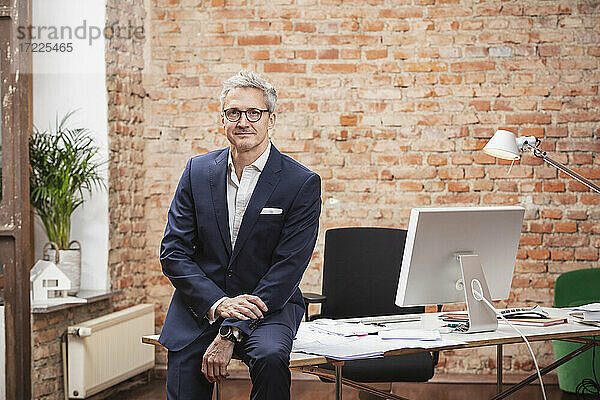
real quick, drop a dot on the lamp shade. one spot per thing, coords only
(503, 145)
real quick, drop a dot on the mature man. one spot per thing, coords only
(241, 230)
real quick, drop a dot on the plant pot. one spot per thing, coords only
(69, 262)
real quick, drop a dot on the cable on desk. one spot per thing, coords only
(589, 386)
(479, 297)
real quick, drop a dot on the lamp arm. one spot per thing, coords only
(542, 154)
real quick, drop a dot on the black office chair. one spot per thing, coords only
(360, 278)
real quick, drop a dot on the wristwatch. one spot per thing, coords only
(226, 332)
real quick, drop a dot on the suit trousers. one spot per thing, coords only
(266, 352)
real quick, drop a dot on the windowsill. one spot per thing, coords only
(90, 296)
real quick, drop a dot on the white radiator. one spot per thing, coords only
(113, 351)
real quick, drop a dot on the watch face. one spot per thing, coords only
(225, 331)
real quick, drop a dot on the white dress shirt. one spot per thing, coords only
(239, 193)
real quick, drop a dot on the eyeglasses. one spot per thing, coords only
(252, 114)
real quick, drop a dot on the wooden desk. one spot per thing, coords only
(297, 360)
(573, 331)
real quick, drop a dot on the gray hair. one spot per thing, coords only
(249, 79)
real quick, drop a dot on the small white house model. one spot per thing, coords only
(48, 281)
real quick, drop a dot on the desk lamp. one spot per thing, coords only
(504, 145)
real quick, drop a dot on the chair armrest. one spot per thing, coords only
(312, 298)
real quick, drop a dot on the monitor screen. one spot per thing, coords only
(430, 270)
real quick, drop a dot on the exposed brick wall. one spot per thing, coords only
(133, 255)
(124, 64)
(391, 102)
(47, 369)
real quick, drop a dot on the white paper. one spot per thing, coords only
(410, 334)
(339, 347)
(587, 307)
(343, 329)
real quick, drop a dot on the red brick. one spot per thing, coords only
(333, 68)
(306, 54)
(462, 159)
(375, 54)
(530, 240)
(328, 54)
(566, 241)
(412, 159)
(530, 267)
(497, 198)
(284, 67)
(259, 55)
(590, 199)
(459, 198)
(540, 227)
(549, 9)
(519, 282)
(473, 66)
(586, 254)
(435, 159)
(577, 214)
(408, 186)
(521, 119)
(460, 186)
(557, 131)
(259, 40)
(451, 173)
(552, 213)
(450, 79)
(401, 12)
(588, 116)
(425, 67)
(561, 255)
(516, 65)
(304, 27)
(372, 25)
(547, 283)
(554, 187)
(449, 11)
(538, 254)
(348, 120)
(349, 54)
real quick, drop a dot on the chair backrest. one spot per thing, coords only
(575, 288)
(361, 271)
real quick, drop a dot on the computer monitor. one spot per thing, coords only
(446, 247)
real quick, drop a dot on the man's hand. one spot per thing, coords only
(216, 359)
(244, 306)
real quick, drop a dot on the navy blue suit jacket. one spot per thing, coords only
(271, 251)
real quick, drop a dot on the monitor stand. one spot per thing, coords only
(481, 317)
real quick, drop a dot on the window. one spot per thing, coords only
(50, 283)
(53, 294)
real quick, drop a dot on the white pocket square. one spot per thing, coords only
(268, 210)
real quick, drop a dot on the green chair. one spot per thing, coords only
(573, 289)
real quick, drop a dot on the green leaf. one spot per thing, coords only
(63, 165)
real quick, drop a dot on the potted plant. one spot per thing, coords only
(63, 164)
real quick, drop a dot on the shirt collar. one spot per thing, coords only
(259, 163)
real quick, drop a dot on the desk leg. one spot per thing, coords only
(338, 380)
(543, 371)
(499, 368)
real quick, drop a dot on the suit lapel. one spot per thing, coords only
(218, 190)
(269, 178)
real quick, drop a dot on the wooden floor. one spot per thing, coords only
(309, 388)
